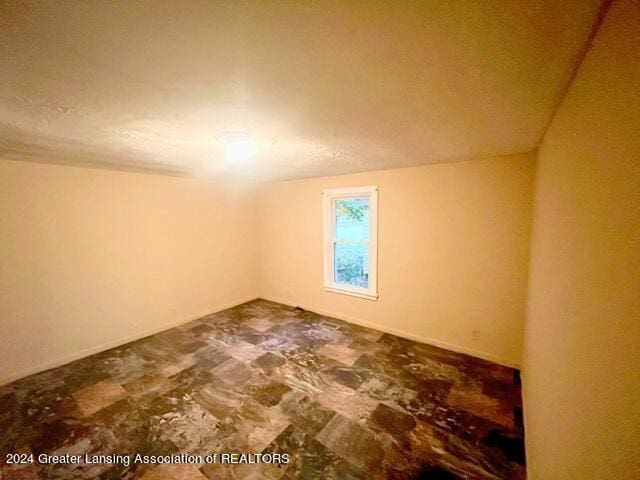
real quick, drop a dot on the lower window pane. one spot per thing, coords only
(351, 264)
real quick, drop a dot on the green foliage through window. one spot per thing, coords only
(351, 254)
(351, 209)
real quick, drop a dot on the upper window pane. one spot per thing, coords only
(352, 219)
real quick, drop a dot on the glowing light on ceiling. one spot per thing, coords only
(238, 144)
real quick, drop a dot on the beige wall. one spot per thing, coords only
(94, 258)
(453, 252)
(91, 258)
(582, 353)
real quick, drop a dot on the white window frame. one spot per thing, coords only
(328, 213)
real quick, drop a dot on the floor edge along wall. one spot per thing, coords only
(116, 343)
(400, 333)
(357, 321)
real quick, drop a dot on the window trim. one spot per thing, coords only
(328, 214)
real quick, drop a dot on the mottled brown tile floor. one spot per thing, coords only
(343, 401)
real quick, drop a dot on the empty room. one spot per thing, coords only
(320, 239)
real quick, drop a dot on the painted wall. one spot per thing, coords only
(582, 348)
(453, 251)
(92, 258)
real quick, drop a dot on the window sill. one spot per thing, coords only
(367, 296)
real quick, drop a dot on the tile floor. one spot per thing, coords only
(343, 401)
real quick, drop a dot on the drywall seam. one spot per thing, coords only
(400, 333)
(116, 343)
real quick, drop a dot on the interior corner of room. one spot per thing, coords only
(439, 215)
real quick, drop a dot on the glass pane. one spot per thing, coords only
(351, 263)
(352, 218)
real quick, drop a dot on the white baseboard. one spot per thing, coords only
(59, 361)
(400, 333)
(136, 336)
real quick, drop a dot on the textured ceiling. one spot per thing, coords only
(326, 87)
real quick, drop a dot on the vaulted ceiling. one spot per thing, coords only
(325, 87)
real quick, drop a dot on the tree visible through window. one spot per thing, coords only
(350, 235)
(351, 254)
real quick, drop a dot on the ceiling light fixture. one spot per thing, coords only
(238, 144)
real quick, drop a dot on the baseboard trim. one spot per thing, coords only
(116, 343)
(357, 321)
(400, 333)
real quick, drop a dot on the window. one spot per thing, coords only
(350, 241)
